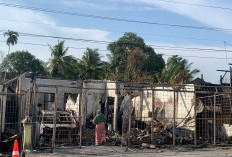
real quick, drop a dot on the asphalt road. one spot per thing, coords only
(103, 151)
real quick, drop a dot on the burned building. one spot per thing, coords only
(161, 114)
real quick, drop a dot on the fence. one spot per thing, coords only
(11, 109)
(135, 114)
(54, 129)
(162, 115)
(180, 115)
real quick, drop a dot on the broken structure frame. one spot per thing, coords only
(119, 89)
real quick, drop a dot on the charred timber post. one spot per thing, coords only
(129, 127)
(141, 105)
(230, 90)
(84, 105)
(152, 118)
(230, 77)
(115, 109)
(122, 132)
(34, 110)
(202, 79)
(3, 109)
(35, 102)
(195, 117)
(214, 120)
(54, 120)
(174, 119)
(80, 115)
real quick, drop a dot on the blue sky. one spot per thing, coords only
(144, 10)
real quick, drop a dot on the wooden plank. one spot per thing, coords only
(195, 117)
(152, 117)
(54, 120)
(115, 127)
(214, 121)
(141, 105)
(4, 109)
(80, 118)
(129, 127)
(174, 119)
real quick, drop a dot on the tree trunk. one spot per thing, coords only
(7, 64)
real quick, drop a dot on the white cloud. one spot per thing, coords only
(208, 16)
(112, 6)
(52, 28)
(80, 4)
(89, 5)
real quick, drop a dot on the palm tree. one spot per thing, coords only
(57, 63)
(91, 64)
(177, 71)
(11, 40)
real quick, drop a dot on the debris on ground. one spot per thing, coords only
(7, 141)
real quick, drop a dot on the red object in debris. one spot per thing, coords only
(16, 149)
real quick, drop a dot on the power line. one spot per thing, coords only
(112, 18)
(109, 42)
(46, 45)
(157, 35)
(198, 5)
(66, 38)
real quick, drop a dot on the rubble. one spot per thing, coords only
(66, 128)
(7, 141)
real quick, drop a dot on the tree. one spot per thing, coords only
(124, 53)
(1, 59)
(91, 65)
(60, 65)
(1, 56)
(11, 40)
(105, 74)
(72, 67)
(20, 62)
(177, 71)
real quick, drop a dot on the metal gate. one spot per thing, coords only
(11, 116)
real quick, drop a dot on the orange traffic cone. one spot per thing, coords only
(16, 149)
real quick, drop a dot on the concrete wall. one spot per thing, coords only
(91, 94)
(48, 86)
(164, 104)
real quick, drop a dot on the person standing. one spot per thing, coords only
(99, 120)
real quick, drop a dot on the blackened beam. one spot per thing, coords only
(224, 70)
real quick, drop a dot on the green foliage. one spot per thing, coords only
(128, 47)
(91, 65)
(130, 59)
(12, 37)
(177, 71)
(19, 62)
(72, 67)
(11, 40)
(60, 65)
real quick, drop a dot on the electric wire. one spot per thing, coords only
(109, 42)
(81, 48)
(121, 32)
(196, 4)
(112, 18)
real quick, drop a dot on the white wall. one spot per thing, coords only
(164, 104)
